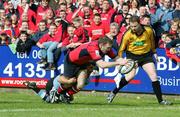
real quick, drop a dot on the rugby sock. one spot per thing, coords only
(72, 90)
(122, 83)
(36, 90)
(157, 90)
(42, 93)
(60, 89)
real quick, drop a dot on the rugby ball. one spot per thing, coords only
(124, 69)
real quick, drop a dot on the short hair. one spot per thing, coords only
(105, 40)
(97, 14)
(24, 32)
(146, 16)
(62, 4)
(134, 18)
(125, 4)
(171, 36)
(43, 21)
(4, 35)
(114, 24)
(53, 24)
(165, 33)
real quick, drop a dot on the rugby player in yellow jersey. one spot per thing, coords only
(138, 43)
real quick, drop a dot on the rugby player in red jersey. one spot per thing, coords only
(77, 64)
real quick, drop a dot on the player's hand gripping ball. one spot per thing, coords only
(124, 69)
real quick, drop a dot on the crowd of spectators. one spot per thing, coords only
(58, 25)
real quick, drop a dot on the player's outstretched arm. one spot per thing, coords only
(104, 64)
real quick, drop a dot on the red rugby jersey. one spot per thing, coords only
(88, 52)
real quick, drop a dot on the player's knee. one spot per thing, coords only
(153, 77)
(130, 76)
(80, 86)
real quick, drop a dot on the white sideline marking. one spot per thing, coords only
(90, 109)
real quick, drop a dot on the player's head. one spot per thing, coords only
(135, 24)
(105, 44)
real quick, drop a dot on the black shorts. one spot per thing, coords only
(141, 59)
(71, 69)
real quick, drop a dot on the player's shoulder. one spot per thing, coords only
(93, 45)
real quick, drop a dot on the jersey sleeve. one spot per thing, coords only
(123, 44)
(152, 37)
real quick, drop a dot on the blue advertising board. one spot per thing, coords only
(17, 68)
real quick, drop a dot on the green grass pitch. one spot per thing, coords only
(24, 103)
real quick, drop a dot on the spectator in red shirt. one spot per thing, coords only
(48, 43)
(62, 6)
(49, 17)
(107, 12)
(71, 41)
(14, 20)
(62, 34)
(152, 6)
(93, 5)
(80, 32)
(25, 27)
(61, 28)
(120, 16)
(41, 10)
(7, 27)
(42, 30)
(86, 13)
(175, 23)
(97, 28)
(162, 41)
(24, 18)
(24, 8)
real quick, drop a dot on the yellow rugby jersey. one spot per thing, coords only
(138, 44)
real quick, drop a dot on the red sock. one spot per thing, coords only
(61, 89)
(72, 90)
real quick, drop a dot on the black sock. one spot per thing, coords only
(36, 90)
(122, 83)
(157, 90)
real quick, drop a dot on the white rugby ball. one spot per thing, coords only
(124, 69)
